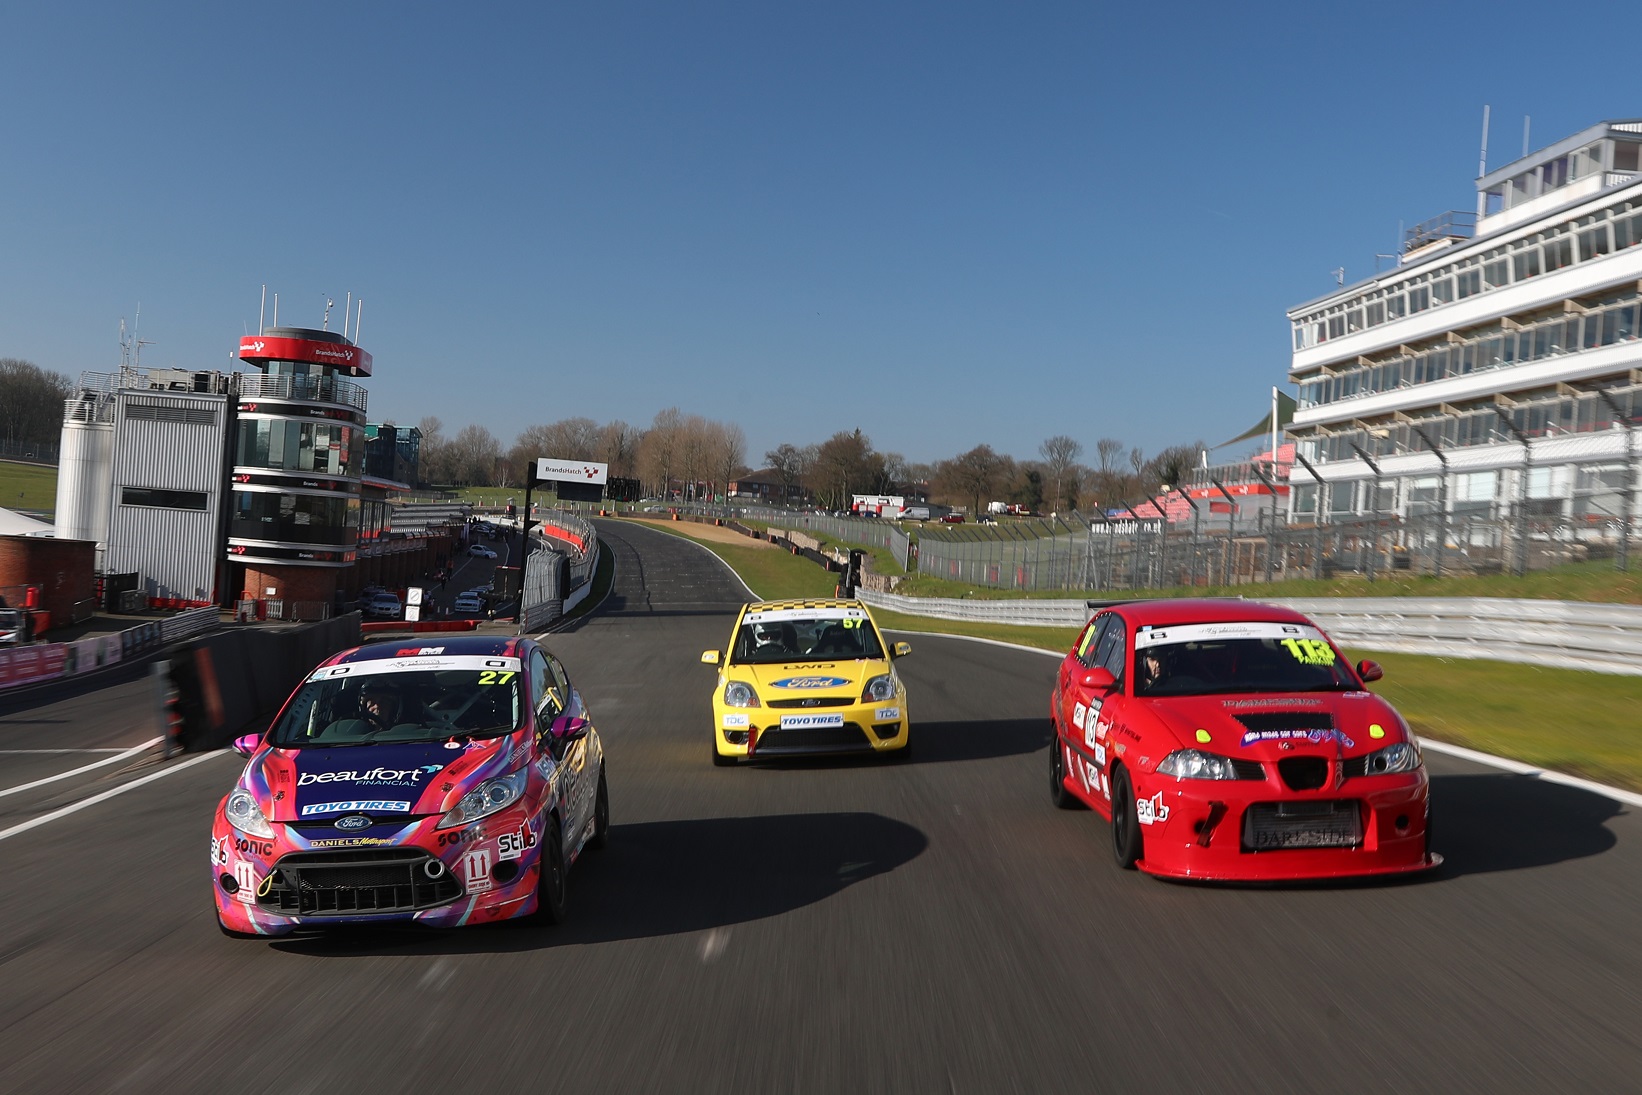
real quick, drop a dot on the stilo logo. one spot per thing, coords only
(353, 823)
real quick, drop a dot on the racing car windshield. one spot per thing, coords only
(797, 635)
(1212, 659)
(409, 705)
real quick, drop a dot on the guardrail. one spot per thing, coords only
(1602, 638)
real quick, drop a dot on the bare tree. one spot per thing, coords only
(971, 476)
(616, 446)
(728, 453)
(1060, 454)
(475, 453)
(659, 450)
(434, 455)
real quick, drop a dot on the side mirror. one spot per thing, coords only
(901, 650)
(568, 728)
(1099, 678)
(246, 745)
(1369, 671)
(709, 657)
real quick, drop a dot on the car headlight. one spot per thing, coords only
(244, 814)
(879, 689)
(1196, 764)
(1402, 756)
(740, 694)
(491, 795)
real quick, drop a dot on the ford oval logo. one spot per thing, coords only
(353, 823)
(810, 682)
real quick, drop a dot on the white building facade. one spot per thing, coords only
(1496, 372)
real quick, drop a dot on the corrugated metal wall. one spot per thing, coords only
(168, 441)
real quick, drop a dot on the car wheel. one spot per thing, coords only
(1058, 794)
(719, 759)
(552, 883)
(601, 816)
(1125, 823)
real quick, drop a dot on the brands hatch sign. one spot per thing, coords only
(337, 355)
(572, 471)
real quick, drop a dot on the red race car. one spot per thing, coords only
(1230, 740)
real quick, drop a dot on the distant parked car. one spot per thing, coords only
(469, 602)
(953, 519)
(384, 606)
(482, 551)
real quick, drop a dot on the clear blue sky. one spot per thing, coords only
(945, 223)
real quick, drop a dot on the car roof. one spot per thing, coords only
(496, 646)
(1204, 610)
(827, 602)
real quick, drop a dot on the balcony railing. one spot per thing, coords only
(317, 389)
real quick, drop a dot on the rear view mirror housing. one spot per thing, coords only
(567, 728)
(1369, 671)
(1099, 678)
(246, 744)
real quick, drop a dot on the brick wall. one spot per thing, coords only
(65, 571)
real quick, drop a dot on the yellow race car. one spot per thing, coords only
(807, 678)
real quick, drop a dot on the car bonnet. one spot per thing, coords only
(1269, 726)
(795, 680)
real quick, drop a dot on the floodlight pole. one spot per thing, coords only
(1622, 559)
(1317, 520)
(1373, 508)
(1522, 439)
(1271, 534)
(1442, 496)
(524, 542)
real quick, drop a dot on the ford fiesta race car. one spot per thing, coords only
(442, 784)
(1230, 740)
(807, 677)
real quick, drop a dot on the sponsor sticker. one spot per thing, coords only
(804, 722)
(733, 721)
(514, 844)
(374, 806)
(1090, 740)
(1194, 633)
(1080, 715)
(1316, 737)
(349, 842)
(219, 851)
(1151, 811)
(886, 714)
(1093, 775)
(476, 871)
(1100, 755)
(810, 682)
(246, 875)
(403, 777)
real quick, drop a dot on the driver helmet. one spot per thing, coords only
(766, 634)
(382, 699)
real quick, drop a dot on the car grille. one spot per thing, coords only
(1304, 773)
(815, 701)
(353, 882)
(1323, 823)
(848, 738)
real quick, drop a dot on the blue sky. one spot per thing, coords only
(944, 223)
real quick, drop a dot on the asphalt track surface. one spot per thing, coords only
(841, 927)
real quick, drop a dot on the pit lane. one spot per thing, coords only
(929, 926)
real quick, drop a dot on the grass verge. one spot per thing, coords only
(28, 486)
(1582, 724)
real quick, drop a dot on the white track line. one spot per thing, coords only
(1630, 798)
(44, 819)
(85, 768)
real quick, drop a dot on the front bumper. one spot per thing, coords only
(1248, 831)
(397, 871)
(859, 729)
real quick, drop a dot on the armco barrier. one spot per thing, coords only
(1603, 638)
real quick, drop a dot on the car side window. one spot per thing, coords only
(540, 679)
(1113, 646)
(557, 698)
(1100, 642)
(1086, 641)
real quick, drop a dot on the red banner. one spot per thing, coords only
(335, 355)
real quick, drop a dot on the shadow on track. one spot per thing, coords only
(670, 877)
(937, 743)
(1505, 822)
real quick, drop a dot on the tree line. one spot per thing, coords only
(692, 455)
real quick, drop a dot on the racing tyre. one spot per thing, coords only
(1058, 794)
(720, 760)
(552, 884)
(601, 816)
(1125, 823)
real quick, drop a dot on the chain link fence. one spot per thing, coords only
(559, 566)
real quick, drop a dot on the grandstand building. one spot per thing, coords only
(1495, 371)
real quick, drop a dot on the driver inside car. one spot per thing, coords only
(379, 704)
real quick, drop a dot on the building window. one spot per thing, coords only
(164, 499)
(295, 518)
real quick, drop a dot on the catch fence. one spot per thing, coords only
(560, 570)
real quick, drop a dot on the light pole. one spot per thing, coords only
(1622, 559)
(1521, 567)
(1317, 519)
(1373, 509)
(1442, 496)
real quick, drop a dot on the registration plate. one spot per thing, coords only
(808, 722)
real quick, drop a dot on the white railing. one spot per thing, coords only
(1602, 638)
